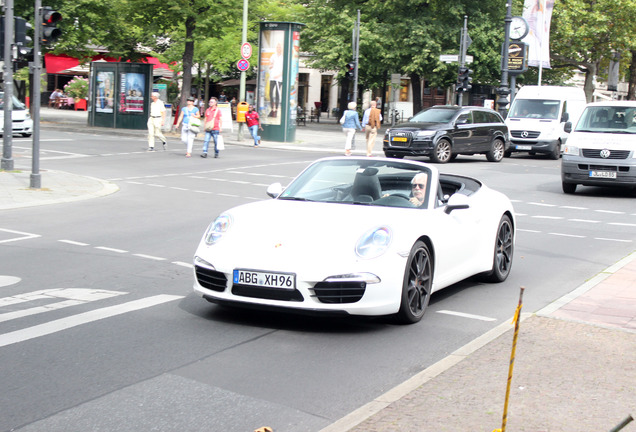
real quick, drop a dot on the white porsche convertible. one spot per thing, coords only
(359, 236)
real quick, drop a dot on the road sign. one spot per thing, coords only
(454, 58)
(246, 50)
(243, 65)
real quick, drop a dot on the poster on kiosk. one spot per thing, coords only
(278, 62)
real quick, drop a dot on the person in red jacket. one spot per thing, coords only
(253, 124)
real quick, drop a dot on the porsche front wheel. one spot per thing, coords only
(417, 284)
(504, 248)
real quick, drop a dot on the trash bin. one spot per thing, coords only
(241, 109)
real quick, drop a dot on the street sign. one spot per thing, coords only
(454, 58)
(246, 50)
(243, 65)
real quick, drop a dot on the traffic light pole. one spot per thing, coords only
(7, 136)
(36, 181)
(504, 89)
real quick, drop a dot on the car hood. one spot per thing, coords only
(280, 233)
(415, 126)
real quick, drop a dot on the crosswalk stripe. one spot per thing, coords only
(83, 318)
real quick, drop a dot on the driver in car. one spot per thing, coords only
(418, 188)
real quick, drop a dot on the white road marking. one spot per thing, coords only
(610, 212)
(584, 220)
(149, 257)
(567, 235)
(8, 280)
(465, 315)
(83, 318)
(542, 204)
(574, 208)
(71, 242)
(548, 217)
(183, 264)
(111, 249)
(72, 296)
(622, 224)
(614, 240)
(23, 236)
(527, 230)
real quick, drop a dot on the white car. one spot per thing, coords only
(22, 122)
(358, 236)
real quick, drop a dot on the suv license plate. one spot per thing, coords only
(603, 174)
(400, 139)
(265, 279)
(523, 147)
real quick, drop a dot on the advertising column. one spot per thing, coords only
(277, 99)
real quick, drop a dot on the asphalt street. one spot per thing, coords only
(171, 361)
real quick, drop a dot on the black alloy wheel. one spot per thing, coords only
(504, 249)
(417, 285)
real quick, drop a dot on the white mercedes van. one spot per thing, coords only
(601, 150)
(538, 116)
(21, 119)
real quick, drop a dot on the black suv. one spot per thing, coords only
(444, 131)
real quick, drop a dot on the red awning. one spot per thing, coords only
(63, 64)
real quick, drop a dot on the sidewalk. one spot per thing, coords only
(575, 364)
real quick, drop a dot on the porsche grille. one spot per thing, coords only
(211, 279)
(339, 292)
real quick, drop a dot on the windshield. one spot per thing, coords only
(535, 108)
(434, 115)
(362, 182)
(613, 119)
(17, 105)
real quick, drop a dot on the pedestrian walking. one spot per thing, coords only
(253, 124)
(371, 123)
(350, 122)
(213, 123)
(185, 118)
(156, 121)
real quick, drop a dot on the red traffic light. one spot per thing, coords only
(49, 19)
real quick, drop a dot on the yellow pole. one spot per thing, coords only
(515, 320)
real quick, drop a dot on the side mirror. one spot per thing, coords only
(456, 202)
(567, 127)
(565, 117)
(274, 190)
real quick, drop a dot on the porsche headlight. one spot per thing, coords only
(217, 228)
(374, 242)
(571, 150)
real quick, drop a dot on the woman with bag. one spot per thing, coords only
(189, 117)
(350, 122)
(212, 128)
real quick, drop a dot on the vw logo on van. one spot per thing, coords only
(524, 134)
(605, 153)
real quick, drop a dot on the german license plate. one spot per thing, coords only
(400, 139)
(523, 147)
(603, 174)
(265, 279)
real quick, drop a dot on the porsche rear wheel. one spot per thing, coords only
(504, 249)
(417, 285)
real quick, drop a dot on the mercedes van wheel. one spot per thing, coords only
(568, 188)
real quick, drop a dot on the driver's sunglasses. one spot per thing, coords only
(418, 185)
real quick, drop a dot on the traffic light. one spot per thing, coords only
(49, 19)
(464, 79)
(351, 67)
(22, 40)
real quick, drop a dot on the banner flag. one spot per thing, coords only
(538, 13)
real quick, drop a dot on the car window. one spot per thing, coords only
(362, 182)
(614, 119)
(493, 118)
(17, 105)
(480, 117)
(434, 115)
(535, 108)
(464, 118)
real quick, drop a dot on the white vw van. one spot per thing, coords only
(601, 150)
(538, 116)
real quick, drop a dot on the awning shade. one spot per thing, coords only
(63, 64)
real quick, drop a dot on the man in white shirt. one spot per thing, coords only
(156, 121)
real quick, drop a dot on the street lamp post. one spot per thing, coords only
(504, 89)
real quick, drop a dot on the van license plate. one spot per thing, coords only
(265, 279)
(523, 147)
(603, 174)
